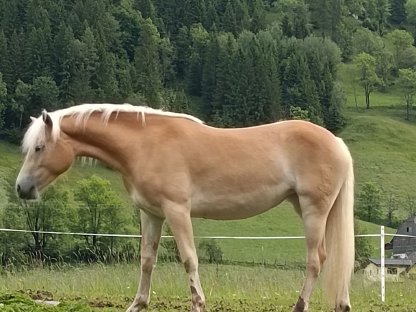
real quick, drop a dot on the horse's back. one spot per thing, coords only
(238, 173)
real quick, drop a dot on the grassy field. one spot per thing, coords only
(349, 76)
(381, 146)
(228, 288)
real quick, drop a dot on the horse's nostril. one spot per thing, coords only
(18, 188)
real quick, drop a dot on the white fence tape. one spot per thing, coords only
(198, 237)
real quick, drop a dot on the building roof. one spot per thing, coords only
(393, 262)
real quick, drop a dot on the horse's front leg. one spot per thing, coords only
(151, 232)
(179, 220)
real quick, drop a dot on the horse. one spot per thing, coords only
(176, 168)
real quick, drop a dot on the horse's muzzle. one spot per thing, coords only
(26, 189)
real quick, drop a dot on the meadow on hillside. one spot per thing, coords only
(227, 288)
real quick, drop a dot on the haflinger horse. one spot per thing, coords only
(175, 167)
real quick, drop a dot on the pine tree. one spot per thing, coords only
(146, 8)
(3, 98)
(194, 12)
(299, 90)
(209, 73)
(44, 93)
(200, 40)
(222, 99)
(182, 52)
(37, 51)
(63, 57)
(106, 80)
(4, 55)
(129, 21)
(229, 23)
(287, 28)
(258, 18)
(147, 63)
(397, 12)
(269, 65)
(211, 16)
(241, 15)
(15, 61)
(124, 77)
(83, 67)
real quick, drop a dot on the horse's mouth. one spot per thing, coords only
(28, 194)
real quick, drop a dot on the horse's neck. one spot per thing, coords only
(103, 141)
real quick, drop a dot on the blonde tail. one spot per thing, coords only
(339, 241)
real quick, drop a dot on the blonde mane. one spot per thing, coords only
(36, 134)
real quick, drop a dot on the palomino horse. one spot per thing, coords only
(176, 168)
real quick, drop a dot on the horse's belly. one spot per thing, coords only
(232, 206)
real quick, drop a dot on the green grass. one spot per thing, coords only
(383, 151)
(382, 145)
(227, 288)
(349, 76)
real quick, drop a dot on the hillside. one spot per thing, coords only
(383, 152)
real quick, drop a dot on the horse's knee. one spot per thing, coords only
(314, 267)
(190, 265)
(148, 263)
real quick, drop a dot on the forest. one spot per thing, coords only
(232, 63)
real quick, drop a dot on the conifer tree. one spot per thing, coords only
(241, 15)
(63, 56)
(182, 51)
(258, 18)
(147, 64)
(229, 22)
(209, 73)
(106, 80)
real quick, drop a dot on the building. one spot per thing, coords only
(405, 245)
(394, 269)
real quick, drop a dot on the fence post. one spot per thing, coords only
(382, 266)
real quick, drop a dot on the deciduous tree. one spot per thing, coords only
(368, 78)
(407, 83)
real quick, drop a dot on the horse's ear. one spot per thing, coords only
(32, 118)
(47, 119)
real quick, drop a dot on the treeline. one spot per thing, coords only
(232, 62)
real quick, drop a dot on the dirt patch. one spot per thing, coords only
(38, 294)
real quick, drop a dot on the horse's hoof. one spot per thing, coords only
(300, 306)
(344, 307)
(137, 307)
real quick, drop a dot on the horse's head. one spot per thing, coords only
(47, 155)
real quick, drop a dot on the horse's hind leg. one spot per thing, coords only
(151, 232)
(179, 220)
(314, 220)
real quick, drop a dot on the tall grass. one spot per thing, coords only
(227, 284)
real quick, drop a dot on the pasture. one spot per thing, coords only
(382, 145)
(229, 288)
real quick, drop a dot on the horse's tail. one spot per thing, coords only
(339, 240)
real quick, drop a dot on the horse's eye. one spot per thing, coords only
(39, 148)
